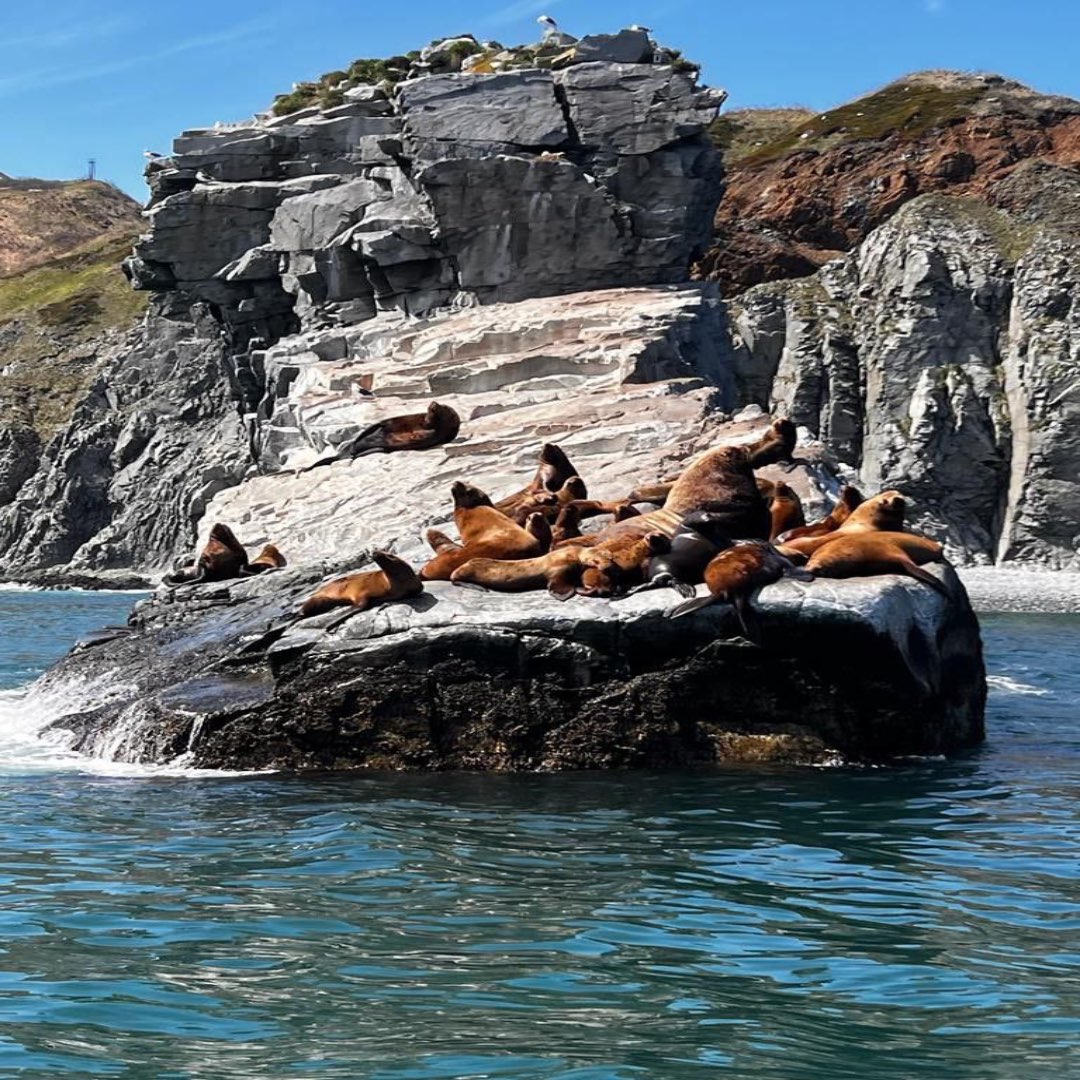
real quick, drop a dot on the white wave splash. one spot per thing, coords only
(27, 746)
(1006, 685)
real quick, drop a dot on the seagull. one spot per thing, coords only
(552, 34)
(642, 29)
(549, 22)
(151, 155)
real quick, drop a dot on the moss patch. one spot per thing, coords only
(907, 109)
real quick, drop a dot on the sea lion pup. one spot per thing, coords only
(394, 580)
(548, 503)
(882, 513)
(785, 509)
(221, 559)
(417, 431)
(868, 553)
(850, 499)
(553, 472)
(734, 575)
(485, 533)
(269, 559)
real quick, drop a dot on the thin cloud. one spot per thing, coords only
(934, 7)
(60, 36)
(515, 12)
(42, 78)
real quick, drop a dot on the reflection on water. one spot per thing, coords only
(795, 923)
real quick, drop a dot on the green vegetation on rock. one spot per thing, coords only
(909, 109)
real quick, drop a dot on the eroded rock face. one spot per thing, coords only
(941, 358)
(150, 443)
(865, 669)
(495, 187)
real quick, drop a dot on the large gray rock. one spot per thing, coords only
(855, 670)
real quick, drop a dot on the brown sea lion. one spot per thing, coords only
(559, 572)
(620, 510)
(439, 541)
(652, 493)
(417, 431)
(548, 503)
(850, 499)
(222, 559)
(539, 527)
(785, 509)
(882, 513)
(868, 553)
(394, 580)
(734, 575)
(567, 526)
(485, 533)
(553, 472)
(616, 567)
(268, 559)
(775, 446)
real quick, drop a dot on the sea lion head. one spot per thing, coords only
(468, 496)
(443, 418)
(574, 488)
(888, 509)
(555, 468)
(851, 497)
(626, 512)
(226, 537)
(782, 490)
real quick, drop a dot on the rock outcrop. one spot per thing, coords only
(856, 670)
(941, 357)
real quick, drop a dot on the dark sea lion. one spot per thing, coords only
(394, 580)
(850, 499)
(553, 472)
(785, 510)
(682, 566)
(222, 559)
(268, 559)
(882, 513)
(485, 533)
(417, 431)
(734, 575)
(865, 554)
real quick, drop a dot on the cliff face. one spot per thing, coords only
(942, 357)
(806, 188)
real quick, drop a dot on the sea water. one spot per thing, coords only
(920, 921)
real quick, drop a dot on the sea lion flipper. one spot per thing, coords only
(917, 572)
(747, 619)
(689, 606)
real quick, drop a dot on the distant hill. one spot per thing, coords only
(42, 220)
(804, 187)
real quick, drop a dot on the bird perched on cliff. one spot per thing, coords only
(151, 155)
(641, 29)
(552, 34)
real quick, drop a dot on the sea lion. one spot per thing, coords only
(548, 503)
(559, 572)
(485, 533)
(683, 565)
(567, 526)
(539, 527)
(552, 473)
(394, 580)
(439, 541)
(417, 431)
(850, 499)
(775, 446)
(268, 559)
(615, 567)
(882, 513)
(785, 509)
(867, 553)
(222, 559)
(734, 575)
(652, 493)
(620, 510)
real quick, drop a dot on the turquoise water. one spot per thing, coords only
(915, 922)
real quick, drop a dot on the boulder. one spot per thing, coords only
(860, 670)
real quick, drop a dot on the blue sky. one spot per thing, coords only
(112, 78)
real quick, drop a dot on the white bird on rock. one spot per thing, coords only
(151, 155)
(552, 34)
(641, 29)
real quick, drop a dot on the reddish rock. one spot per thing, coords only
(801, 196)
